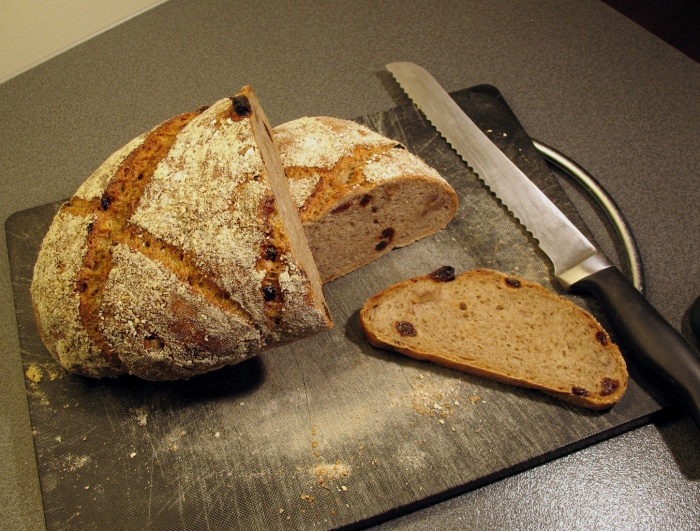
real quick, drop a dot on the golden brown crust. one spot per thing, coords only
(328, 159)
(163, 256)
(432, 303)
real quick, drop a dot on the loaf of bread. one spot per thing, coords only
(359, 193)
(182, 253)
(500, 327)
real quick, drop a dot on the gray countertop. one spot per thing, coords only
(579, 76)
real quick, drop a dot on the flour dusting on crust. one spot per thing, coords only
(95, 185)
(320, 142)
(54, 297)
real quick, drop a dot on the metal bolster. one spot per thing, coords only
(596, 190)
(594, 263)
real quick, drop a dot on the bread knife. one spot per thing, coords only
(578, 264)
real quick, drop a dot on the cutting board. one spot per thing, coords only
(328, 432)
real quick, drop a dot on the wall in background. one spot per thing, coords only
(32, 31)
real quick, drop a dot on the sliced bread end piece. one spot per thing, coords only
(500, 327)
(359, 193)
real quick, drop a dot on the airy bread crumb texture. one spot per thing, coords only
(500, 327)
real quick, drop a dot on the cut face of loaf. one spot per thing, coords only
(181, 254)
(359, 193)
(503, 328)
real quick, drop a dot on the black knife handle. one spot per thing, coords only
(646, 335)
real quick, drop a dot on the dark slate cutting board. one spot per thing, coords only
(327, 432)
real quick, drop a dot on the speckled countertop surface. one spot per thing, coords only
(579, 76)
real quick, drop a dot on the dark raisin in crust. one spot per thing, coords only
(513, 282)
(444, 274)
(609, 386)
(602, 338)
(241, 106)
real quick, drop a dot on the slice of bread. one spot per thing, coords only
(503, 328)
(359, 194)
(182, 253)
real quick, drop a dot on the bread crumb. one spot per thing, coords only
(76, 462)
(141, 415)
(34, 373)
(331, 471)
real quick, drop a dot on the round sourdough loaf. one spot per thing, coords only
(359, 193)
(181, 254)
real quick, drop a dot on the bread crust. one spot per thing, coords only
(605, 357)
(179, 254)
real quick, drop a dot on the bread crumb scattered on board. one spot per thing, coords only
(437, 398)
(74, 462)
(34, 373)
(331, 471)
(141, 416)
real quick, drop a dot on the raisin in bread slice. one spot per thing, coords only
(500, 327)
(359, 193)
(182, 253)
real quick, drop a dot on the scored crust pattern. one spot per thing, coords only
(328, 159)
(163, 231)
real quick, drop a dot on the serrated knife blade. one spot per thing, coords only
(572, 255)
(578, 264)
